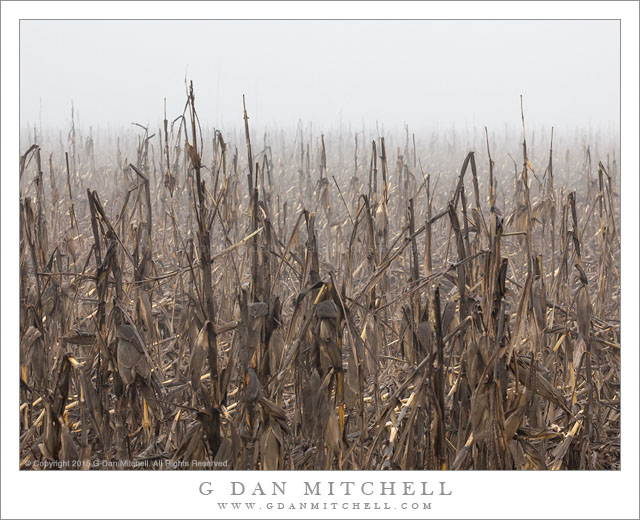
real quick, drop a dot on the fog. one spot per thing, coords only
(427, 74)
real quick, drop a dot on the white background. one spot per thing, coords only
(419, 72)
(166, 495)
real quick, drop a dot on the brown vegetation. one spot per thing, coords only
(283, 312)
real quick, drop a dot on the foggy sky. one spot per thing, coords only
(423, 73)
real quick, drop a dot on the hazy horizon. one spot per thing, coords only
(427, 74)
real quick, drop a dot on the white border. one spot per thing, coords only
(166, 495)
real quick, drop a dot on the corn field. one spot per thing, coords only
(307, 301)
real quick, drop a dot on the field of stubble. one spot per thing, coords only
(271, 299)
